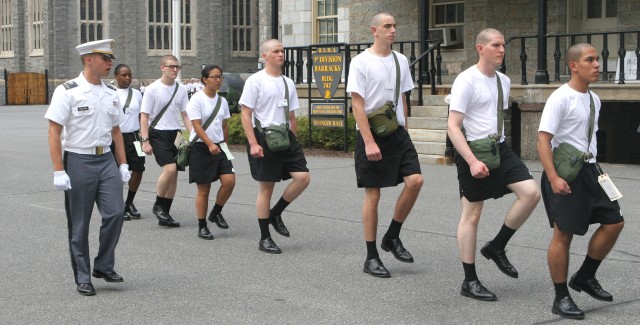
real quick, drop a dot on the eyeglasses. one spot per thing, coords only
(216, 77)
(173, 67)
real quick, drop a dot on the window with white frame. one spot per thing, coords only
(6, 29)
(602, 9)
(91, 20)
(160, 25)
(36, 24)
(326, 21)
(448, 13)
(243, 38)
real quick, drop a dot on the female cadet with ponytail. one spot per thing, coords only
(207, 161)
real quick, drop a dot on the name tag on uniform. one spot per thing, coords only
(282, 102)
(216, 121)
(83, 108)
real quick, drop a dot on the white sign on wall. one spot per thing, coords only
(630, 68)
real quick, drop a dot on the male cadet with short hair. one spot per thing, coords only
(164, 101)
(383, 161)
(474, 108)
(264, 104)
(573, 205)
(86, 109)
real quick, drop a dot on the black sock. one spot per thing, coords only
(372, 250)
(279, 207)
(166, 205)
(500, 242)
(469, 272)
(394, 230)
(216, 209)
(130, 195)
(588, 269)
(159, 201)
(561, 290)
(202, 223)
(264, 228)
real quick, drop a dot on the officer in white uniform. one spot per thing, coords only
(83, 119)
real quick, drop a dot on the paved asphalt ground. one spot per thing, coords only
(173, 277)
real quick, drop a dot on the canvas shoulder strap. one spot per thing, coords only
(209, 120)
(286, 107)
(128, 102)
(500, 108)
(164, 109)
(396, 97)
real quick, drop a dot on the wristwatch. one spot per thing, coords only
(142, 140)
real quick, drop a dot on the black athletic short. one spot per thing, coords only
(399, 159)
(512, 170)
(205, 168)
(164, 149)
(135, 162)
(586, 204)
(277, 166)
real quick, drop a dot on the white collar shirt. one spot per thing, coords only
(88, 120)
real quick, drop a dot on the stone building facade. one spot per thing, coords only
(39, 35)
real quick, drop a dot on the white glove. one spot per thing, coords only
(125, 174)
(61, 180)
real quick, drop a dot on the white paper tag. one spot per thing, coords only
(608, 187)
(179, 140)
(282, 102)
(138, 148)
(225, 149)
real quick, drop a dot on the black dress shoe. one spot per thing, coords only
(169, 223)
(86, 289)
(218, 219)
(375, 267)
(158, 211)
(126, 217)
(278, 225)
(109, 277)
(269, 246)
(500, 258)
(204, 233)
(566, 308)
(396, 247)
(591, 286)
(474, 289)
(132, 211)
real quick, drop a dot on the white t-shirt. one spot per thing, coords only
(200, 107)
(374, 78)
(566, 116)
(476, 96)
(88, 119)
(131, 119)
(264, 95)
(157, 96)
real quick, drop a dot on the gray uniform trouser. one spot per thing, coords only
(94, 179)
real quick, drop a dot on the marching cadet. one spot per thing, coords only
(86, 109)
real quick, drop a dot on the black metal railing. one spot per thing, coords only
(297, 56)
(561, 42)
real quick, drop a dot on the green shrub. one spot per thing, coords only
(327, 138)
(236, 132)
(322, 137)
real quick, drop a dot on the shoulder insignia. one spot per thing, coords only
(70, 84)
(110, 86)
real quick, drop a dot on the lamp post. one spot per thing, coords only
(175, 18)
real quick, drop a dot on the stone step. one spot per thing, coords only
(429, 123)
(429, 148)
(428, 135)
(429, 111)
(434, 100)
(434, 159)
